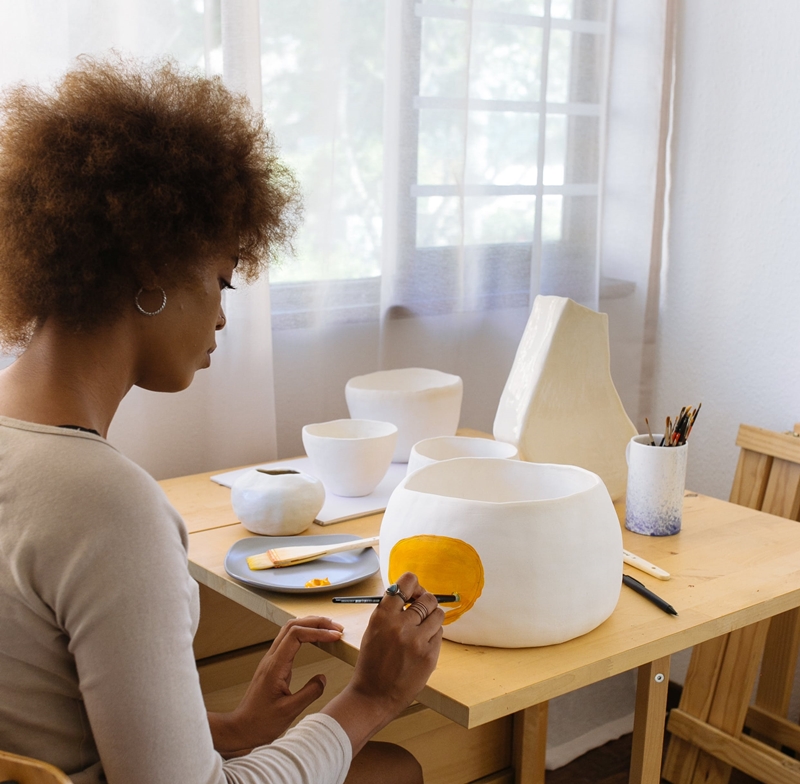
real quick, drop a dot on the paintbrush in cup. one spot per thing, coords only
(291, 556)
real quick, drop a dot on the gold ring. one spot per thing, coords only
(420, 609)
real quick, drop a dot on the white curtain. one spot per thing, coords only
(227, 416)
(458, 157)
(452, 165)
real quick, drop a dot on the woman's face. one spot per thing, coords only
(179, 340)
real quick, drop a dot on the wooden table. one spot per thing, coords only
(731, 567)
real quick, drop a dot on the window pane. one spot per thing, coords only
(323, 76)
(590, 10)
(531, 7)
(441, 146)
(575, 67)
(438, 221)
(506, 62)
(501, 147)
(499, 219)
(486, 220)
(552, 218)
(572, 153)
(443, 60)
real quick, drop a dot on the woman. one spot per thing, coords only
(129, 198)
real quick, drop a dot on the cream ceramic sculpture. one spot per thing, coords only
(559, 404)
(422, 403)
(350, 456)
(431, 450)
(277, 502)
(534, 551)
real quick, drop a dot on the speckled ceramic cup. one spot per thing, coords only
(656, 482)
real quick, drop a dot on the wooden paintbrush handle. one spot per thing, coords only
(637, 562)
(356, 544)
(283, 556)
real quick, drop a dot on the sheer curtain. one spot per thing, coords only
(458, 157)
(453, 171)
(227, 416)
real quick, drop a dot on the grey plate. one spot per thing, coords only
(342, 569)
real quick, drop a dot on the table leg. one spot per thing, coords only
(648, 722)
(530, 744)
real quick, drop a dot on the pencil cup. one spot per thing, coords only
(656, 481)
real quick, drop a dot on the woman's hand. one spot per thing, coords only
(398, 653)
(268, 706)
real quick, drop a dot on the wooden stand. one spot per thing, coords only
(707, 727)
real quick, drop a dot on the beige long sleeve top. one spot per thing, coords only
(97, 617)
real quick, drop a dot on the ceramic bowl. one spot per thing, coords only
(422, 403)
(431, 450)
(534, 550)
(278, 502)
(350, 456)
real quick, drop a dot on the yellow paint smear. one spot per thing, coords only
(443, 565)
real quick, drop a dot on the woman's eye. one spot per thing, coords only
(224, 284)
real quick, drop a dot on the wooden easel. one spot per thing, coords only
(707, 727)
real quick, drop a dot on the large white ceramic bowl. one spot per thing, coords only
(534, 550)
(350, 456)
(431, 450)
(422, 403)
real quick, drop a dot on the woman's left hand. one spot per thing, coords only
(268, 706)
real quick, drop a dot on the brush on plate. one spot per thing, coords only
(291, 556)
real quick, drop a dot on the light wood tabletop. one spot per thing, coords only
(731, 567)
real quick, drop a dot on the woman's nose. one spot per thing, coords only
(221, 320)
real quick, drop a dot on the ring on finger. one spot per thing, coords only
(420, 609)
(394, 590)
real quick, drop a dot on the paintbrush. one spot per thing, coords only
(291, 556)
(442, 598)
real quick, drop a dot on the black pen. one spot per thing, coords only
(648, 594)
(442, 598)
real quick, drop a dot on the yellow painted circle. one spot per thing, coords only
(443, 565)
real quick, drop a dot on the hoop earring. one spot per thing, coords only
(151, 312)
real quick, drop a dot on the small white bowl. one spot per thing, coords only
(431, 450)
(350, 456)
(278, 502)
(422, 403)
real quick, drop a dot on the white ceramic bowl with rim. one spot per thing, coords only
(533, 549)
(423, 403)
(431, 450)
(350, 456)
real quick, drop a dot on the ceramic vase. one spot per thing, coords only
(559, 404)
(422, 403)
(277, 502)
(533, 550)
(431, 450)
(656, 483)
(350, 456)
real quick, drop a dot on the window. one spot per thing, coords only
(453, 146)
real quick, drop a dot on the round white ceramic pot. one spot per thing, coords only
(533, 550)
(431, 450)
(422, 403)
(350, 456)
(277, 502)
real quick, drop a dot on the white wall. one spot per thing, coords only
(729, 331)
